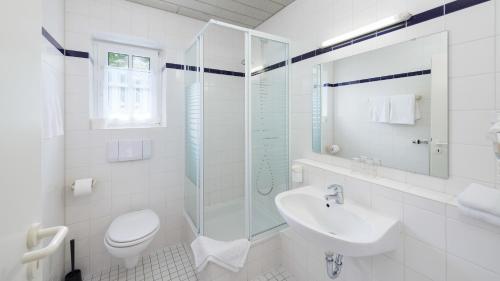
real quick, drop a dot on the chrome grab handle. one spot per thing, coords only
(35, 233)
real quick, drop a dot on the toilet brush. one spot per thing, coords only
(75, 274)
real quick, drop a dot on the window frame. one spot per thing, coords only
(100, 65)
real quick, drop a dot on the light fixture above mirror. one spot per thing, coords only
(386, 22)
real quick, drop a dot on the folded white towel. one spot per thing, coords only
(402, 109)
(473, 213)
(481, 198)
(230, 255)
(379, 109)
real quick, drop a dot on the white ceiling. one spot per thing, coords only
(247, 13)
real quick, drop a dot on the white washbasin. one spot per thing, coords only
(347, 229)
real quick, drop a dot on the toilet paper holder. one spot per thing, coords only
(73, 184)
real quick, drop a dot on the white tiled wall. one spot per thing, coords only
(52, 66)
(454, 248)
(121, 187)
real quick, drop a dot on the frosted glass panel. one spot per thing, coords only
(269, 132)
(223, 135)
(316, 109)
(192, 93)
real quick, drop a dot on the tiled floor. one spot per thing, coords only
(168, 264)
(275, 275)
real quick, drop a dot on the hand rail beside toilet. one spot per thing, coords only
(35, 234)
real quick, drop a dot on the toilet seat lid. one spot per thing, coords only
(133, 226)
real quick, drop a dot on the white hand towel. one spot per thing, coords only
(230, 255)
(379, 108)
(402, 109)
(486, 217)
(481, 198)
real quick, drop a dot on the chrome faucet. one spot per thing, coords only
(337, 193)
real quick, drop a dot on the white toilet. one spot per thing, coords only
(130, 234)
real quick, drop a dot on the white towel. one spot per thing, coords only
(230, 255)
(481, 198)
(486, 217)
(379, 108)
(402, 109)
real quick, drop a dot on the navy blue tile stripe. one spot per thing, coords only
(426, 16)
(269, 68)
(379, 78)
(415, 19)
(206, 69)
(460, 5)
(224, 72)
(69, 53)
(174, 66)
(76, 54)
(52, 40)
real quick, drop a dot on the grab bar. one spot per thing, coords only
(35, 233)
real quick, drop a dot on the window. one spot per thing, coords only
(126, 92)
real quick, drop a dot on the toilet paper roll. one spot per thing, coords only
(82, 187)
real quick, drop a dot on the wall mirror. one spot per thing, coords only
(389, 105)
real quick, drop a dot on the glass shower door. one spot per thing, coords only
(269, 131)
(193, 111)
(223, 161)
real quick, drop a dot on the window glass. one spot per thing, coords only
(117, 60)
(140, 63)
(127, 93)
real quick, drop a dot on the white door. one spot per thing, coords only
(20, 131)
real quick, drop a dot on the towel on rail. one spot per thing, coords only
(379, 108)
(403, 110)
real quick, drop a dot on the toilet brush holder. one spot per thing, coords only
(75, 274)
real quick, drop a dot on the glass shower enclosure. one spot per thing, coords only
(236, 131)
